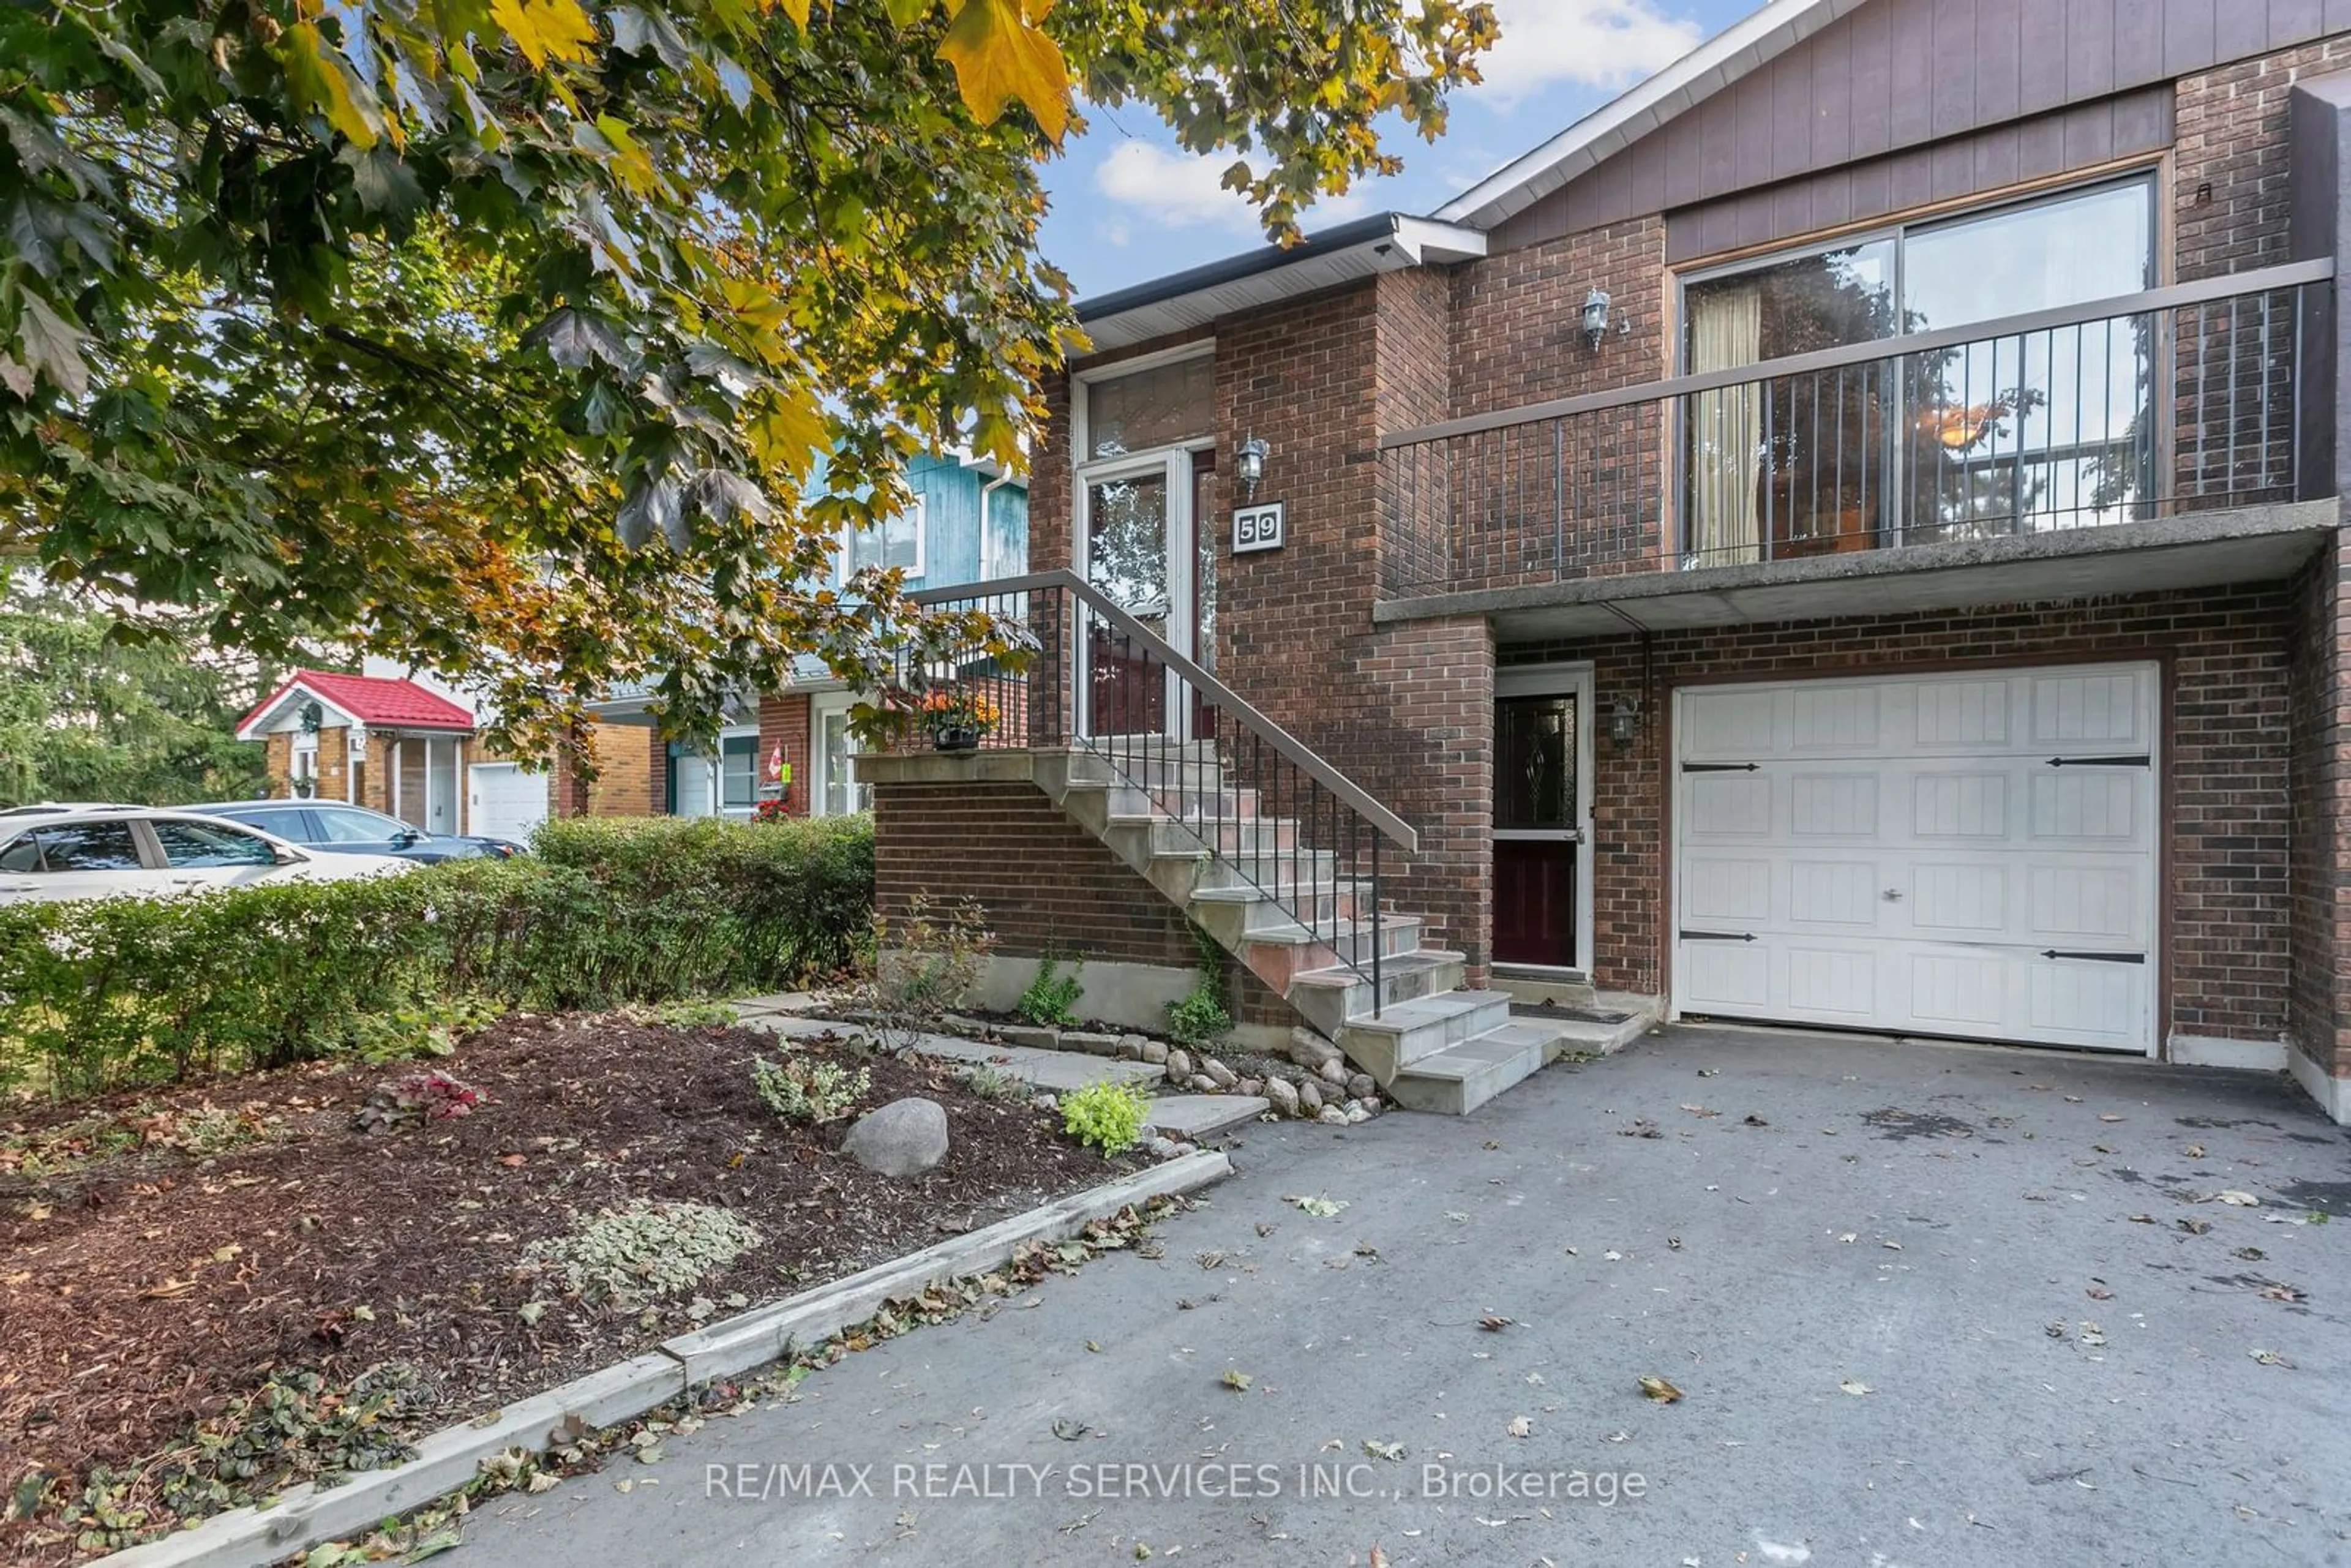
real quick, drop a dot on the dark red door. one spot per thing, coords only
(1534, 902)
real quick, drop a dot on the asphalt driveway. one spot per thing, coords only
(1925, 1305)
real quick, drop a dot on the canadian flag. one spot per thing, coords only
(776, 762)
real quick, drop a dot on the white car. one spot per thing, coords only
(83, 850)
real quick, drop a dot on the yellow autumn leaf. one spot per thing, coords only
(322, 80)
(786, 432)
(798, 10)
(1001, 54)
(546, 30)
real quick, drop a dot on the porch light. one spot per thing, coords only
(1595, 317)
(1624, 721)
(1249, 461)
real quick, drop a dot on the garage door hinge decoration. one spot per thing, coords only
(1718, 936)
(2096, 957)
(2140, 760)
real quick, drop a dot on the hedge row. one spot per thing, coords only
(112, 992)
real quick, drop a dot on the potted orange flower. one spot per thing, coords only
(957, 718)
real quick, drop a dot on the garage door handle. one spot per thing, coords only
(2096, 957)
(1718, 936)
(2136, 759)
(1893, 895)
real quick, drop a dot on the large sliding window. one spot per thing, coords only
(2044, 429)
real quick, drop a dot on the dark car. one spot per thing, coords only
(335, 828)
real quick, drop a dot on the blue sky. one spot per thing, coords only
(1129, 206)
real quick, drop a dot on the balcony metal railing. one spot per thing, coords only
(2172, 400)
(1048, 661)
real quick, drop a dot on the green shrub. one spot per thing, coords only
(918, 967)
(1052, 998)
(799, 1090)
(112, 992)
(1106, 1115)
(1198, 1017)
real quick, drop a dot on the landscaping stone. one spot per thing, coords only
(904, 1138)
(1188, 1117)
(977, 1029)
(1035, 1034)
(1047, 1102)
(1355, 1113)
(1179, 1067)
(1203, 1084)
(1310, 1050)
(1332, 1116)
(1333, 1072)
(1281, 1095)
(1093, 1044)
(1163, 1148)
(1223, 1077)
(1249, 1086)
(1155, 1052)
(1362, 1086)
(1309, 1098)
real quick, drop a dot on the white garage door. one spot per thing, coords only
(503, 801)
(1971, 855)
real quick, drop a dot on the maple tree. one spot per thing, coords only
(551, 346)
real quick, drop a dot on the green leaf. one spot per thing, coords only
(323, 83)
(46, 342)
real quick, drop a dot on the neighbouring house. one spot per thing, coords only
(1849, 534)
(969, 521)
(399, 742)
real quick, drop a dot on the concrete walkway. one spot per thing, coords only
(1925, 1305)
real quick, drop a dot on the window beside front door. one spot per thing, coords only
(2036, 431)
(836, 792)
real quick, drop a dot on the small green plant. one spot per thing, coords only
(693, 1015)
(1198, 1017)
(1106, 1115)
(921, 966)
(800, 1090)
(647, 1248)
(995, 1083)
(1052, 998)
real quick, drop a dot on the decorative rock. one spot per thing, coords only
(1187, 1148)
(1333, 1073)
(1332, 1116)
(1223, 1076)
(1179, 1067)
(1371, 1105)
(1204, 1084)
(1360, 1084)
(1035, 1034)
(1047, 1102)
(904, 1138)
(1155, 1052)
(1163, 1148)
(1131, 1048)
(1091, 1043)
(1249, 1086)
(1281, 1095)
(1356, 1115)
(1309, 1098)
(1310, 1050)
(970, 1029)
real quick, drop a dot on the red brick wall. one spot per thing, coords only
(1517, 318)
(2231, 125)
(2227, 902)
(2319, 732)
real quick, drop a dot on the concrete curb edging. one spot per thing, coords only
(304, 1515)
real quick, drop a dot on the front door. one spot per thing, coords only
(1541, 810)
(1140, 555)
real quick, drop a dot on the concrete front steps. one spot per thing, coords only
(1170, 811)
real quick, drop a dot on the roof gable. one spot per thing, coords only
(373, 700)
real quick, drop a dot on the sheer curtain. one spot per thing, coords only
(1726, 427)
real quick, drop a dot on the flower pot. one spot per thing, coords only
(954, 737)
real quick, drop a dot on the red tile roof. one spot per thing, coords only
(371, 699)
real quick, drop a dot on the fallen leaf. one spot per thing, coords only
(1850, 1237)
(2269, 1358)
(2142, 1220)
(2281, 1293)
(1753, 1120)
(2100, 1294)
(1236, 1380)
(1612, 1256)
(2249, 1254)
(1383, 1450)
(2236, 1199)
(1700, 1110)
(2108, 1116)
(1320, 1207)
(1379, 1559)
(1095, 1346)
(1493, 1324)
(1069, 1431)
(1520, 1427)
(1658, 1389)
(1856, 1387)
(512, 1160)
(2194, 1227)
(2194, 1151)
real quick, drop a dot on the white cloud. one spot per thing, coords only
(1607, 44)
(1178, 190)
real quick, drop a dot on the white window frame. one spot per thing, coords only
(820, 706)
(718, 806)
(918, 512)
(302, 759)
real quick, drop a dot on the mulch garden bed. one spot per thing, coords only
(164, 1257)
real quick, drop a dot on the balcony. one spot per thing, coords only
(2176, 436)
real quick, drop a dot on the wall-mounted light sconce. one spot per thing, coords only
(1624, 721)
(1595, 317)
(1249, 459)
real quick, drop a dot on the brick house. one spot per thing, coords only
(1848, 535)
(400, 743)
(969, 521)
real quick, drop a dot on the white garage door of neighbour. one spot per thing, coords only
(504, 802)
(1972, 856)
